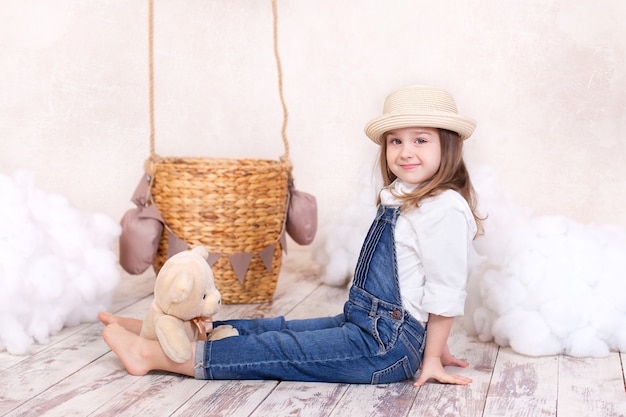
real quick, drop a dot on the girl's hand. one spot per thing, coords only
(447, 359)
(432, 368)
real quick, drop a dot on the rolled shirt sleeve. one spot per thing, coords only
(443, 245)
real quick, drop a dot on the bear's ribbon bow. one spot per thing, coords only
(204, 325)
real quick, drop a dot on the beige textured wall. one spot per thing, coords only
(546, 81)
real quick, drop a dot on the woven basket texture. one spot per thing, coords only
(230, 206)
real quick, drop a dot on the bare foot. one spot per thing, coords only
(140, 355)
(128, 347)
(130, 324)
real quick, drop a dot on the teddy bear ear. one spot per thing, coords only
(202, 251)
(181, 286)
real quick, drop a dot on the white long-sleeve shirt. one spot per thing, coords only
(433, 244)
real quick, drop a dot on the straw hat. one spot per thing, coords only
(419, 105)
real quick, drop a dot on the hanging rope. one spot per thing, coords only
(149, 165)
(283, 131)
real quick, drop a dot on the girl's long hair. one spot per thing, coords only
(452, 175)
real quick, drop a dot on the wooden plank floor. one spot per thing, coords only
(77, 375)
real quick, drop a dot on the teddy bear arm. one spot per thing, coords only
(148, 326)
(173, 338)
(222, 332)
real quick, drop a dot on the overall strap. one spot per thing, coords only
(376, 272)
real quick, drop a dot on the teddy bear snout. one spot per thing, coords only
(212, 303)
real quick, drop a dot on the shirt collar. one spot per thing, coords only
(398, 187)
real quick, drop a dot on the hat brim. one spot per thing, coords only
(464, 126)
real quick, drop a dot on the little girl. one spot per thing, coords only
(408, 285)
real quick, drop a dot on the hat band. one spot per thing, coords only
(449, 121)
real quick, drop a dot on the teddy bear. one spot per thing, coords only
(185, 300)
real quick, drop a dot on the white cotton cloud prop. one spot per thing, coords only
(57, 268)
(340, 236)
(541, 284)
(546, 284)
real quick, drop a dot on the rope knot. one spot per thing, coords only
(149, 166)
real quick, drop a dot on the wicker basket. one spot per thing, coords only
(231, 206)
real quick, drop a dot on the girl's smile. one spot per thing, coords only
(408, 167)
(413, 153)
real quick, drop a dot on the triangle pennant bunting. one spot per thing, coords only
(240, 263)
(175, 244)
(213, 258)
(267, 255)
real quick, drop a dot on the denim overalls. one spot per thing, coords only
(374, 341)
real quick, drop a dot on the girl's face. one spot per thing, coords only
(413, 153)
